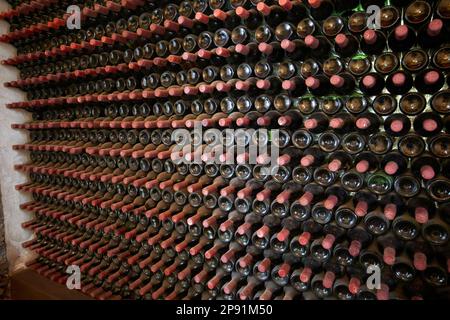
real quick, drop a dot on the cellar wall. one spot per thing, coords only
(11, 199)
(352, 178)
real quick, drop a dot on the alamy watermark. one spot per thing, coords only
(74, 279)
(74, 20)
(374, 280)
(373, 17)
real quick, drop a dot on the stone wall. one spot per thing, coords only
(11, 231)
(3, 260)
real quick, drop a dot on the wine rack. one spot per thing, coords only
(354, 205)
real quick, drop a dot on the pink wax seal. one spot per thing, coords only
(430, 125)
(399, 79)
(391, 167)
(401, 32)
(431, 77)
(369, 81)
(336, 123)
(363, 123)
(435, 27)
(337, 81)
(396, 126)
(342, 40)
(370, 36)
(362, 166)
(315, 3)
(288, 45)
(312, 42)
(312, 82)
(427, 172)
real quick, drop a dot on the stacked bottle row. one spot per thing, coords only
(262, 76)
(297, 236)
(358, 117)
(106, 22)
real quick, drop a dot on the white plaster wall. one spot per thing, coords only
(11, 199)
